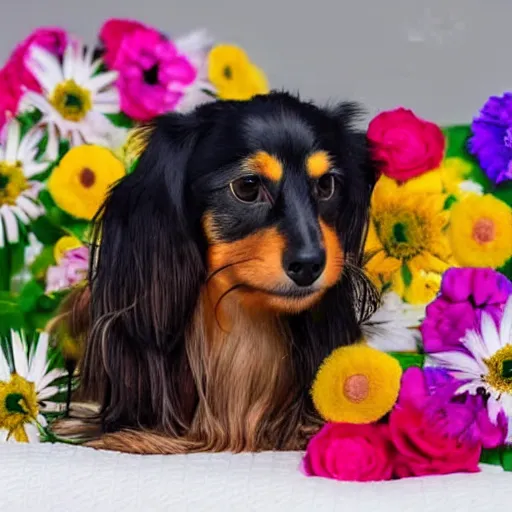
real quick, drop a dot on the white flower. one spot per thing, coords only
(488, 366)
(394, 326)
(471, 187)
(196, 46)
(18, 195)
(74, 98)
(25, 387)
(32, 251)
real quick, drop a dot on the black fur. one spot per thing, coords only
(148, 270)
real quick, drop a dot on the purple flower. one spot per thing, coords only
(465, 293)
(491, 142)
(72, 269)
(463, 417)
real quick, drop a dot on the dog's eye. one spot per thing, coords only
(325, 187)
(247, 189)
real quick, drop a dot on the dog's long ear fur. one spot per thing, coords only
(146, 273)
(336, 320)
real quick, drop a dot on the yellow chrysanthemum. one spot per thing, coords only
(407, 238)
(356, 384)
(233, 75)
(66, 243)
(446, 179)
(481, 231)
(82, 179)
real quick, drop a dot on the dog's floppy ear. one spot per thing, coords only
(146, 273)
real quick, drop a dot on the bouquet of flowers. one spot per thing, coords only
(440, 251)
(65, 111)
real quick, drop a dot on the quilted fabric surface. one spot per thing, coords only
(61, 478)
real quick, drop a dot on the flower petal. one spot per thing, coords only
(47, 392)
(506, 324)
(99, 82)
(32, 433)
(5, 370)
(29, 207)
(2, 239)
(37, 364)
(13, 141)
(51, 376)
(11, 225)
(19, 355)
(457, 361)
(490, 334)
(22, 216)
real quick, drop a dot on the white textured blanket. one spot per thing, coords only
(61, 478)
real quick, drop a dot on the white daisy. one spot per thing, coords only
(488, 366)
(394, 326)
(25, 387)
(18, 195)
(74, 98)
(196, 46)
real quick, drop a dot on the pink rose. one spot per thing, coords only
(405, 145)
(355, 453)
(112, 33)
(431, 434)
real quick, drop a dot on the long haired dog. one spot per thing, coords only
(224, 269)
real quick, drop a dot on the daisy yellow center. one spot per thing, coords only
(18, 405)
(71, 100)
(402, 234)
(12, 182)
(500, 370)
(484, 231)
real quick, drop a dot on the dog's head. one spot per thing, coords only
(273, 192)
(266, 200)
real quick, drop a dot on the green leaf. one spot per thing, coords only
(449, 202)
(491, 456)
(29, 296)
(504, 192)
(42, 262)
(11, 316)
(47, 231)
(506, 458)
(406, 275)
(456, 141)
(409, 359)
(120, 119)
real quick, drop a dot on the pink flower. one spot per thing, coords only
(153, 75)
(112, 33)
(360, 453)
(405, 145)
(15, 76)
(71, 269)
(431, 434)
(465, 294)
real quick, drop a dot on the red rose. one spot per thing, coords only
(342, 451)
(405, 145)
(422, 449)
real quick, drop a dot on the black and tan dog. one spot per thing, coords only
(224, 269)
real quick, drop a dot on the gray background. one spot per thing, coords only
(439, 57)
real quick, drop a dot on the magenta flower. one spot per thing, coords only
(153, 75)
(463, 417)
(465, 294)
(72, 269)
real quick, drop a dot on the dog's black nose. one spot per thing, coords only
(305, 267)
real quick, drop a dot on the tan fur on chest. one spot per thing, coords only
(243, 372)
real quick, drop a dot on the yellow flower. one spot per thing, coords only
(481, 231)
(356, 384)
(18, 406)
(66, 243)
(79, 184)
(233, 75)
(407, 241)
